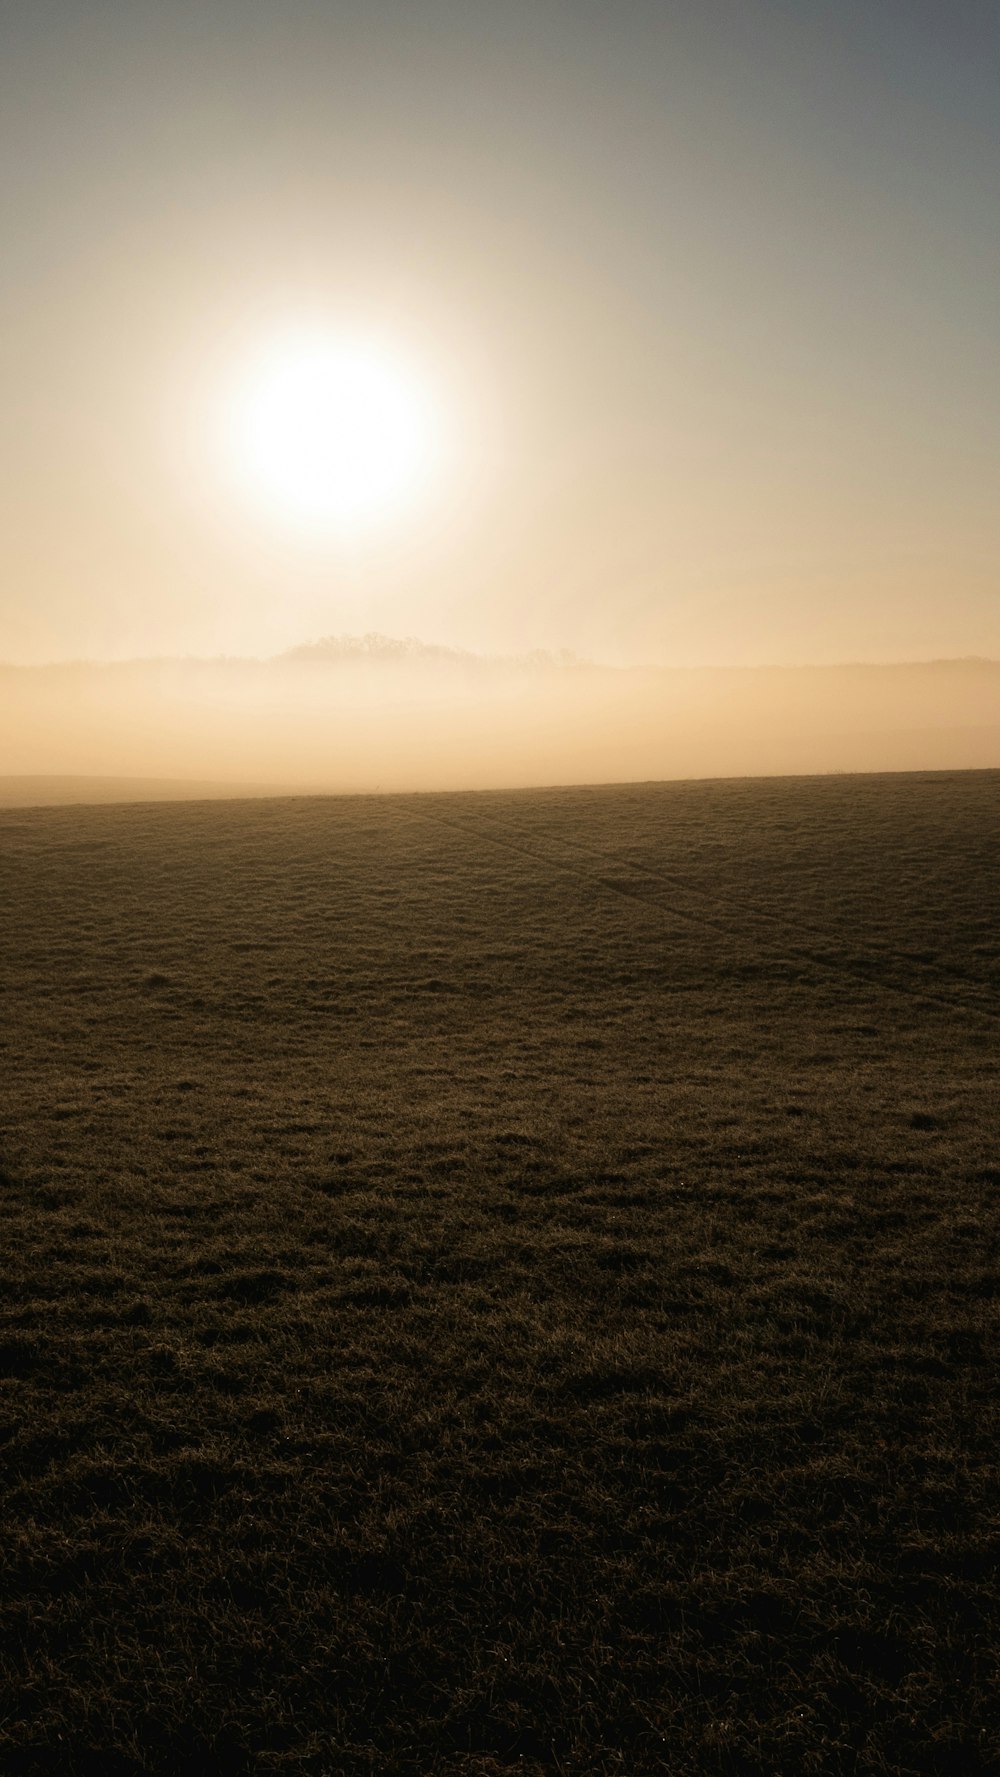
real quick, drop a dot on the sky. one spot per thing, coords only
(703, 293)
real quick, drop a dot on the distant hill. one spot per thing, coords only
(373, 712)
(375, 648)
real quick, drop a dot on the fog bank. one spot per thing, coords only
(373, 714)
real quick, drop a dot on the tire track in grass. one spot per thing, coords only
(675, 880)
(501, 837)
(883, 957)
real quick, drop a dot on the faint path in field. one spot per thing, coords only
(528, 846)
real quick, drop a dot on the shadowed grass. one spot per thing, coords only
(503, 1283)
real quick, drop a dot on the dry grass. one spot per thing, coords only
(503, 1282)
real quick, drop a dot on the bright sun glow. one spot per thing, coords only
(335, 435)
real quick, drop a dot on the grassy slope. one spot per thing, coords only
(503, 1281)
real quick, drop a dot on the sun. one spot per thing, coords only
(331, 433)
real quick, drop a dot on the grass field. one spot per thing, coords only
(503, 1282)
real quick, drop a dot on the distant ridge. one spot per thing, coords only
(375, 648)
(333, 650)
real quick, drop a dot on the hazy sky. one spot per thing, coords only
(706, 293)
